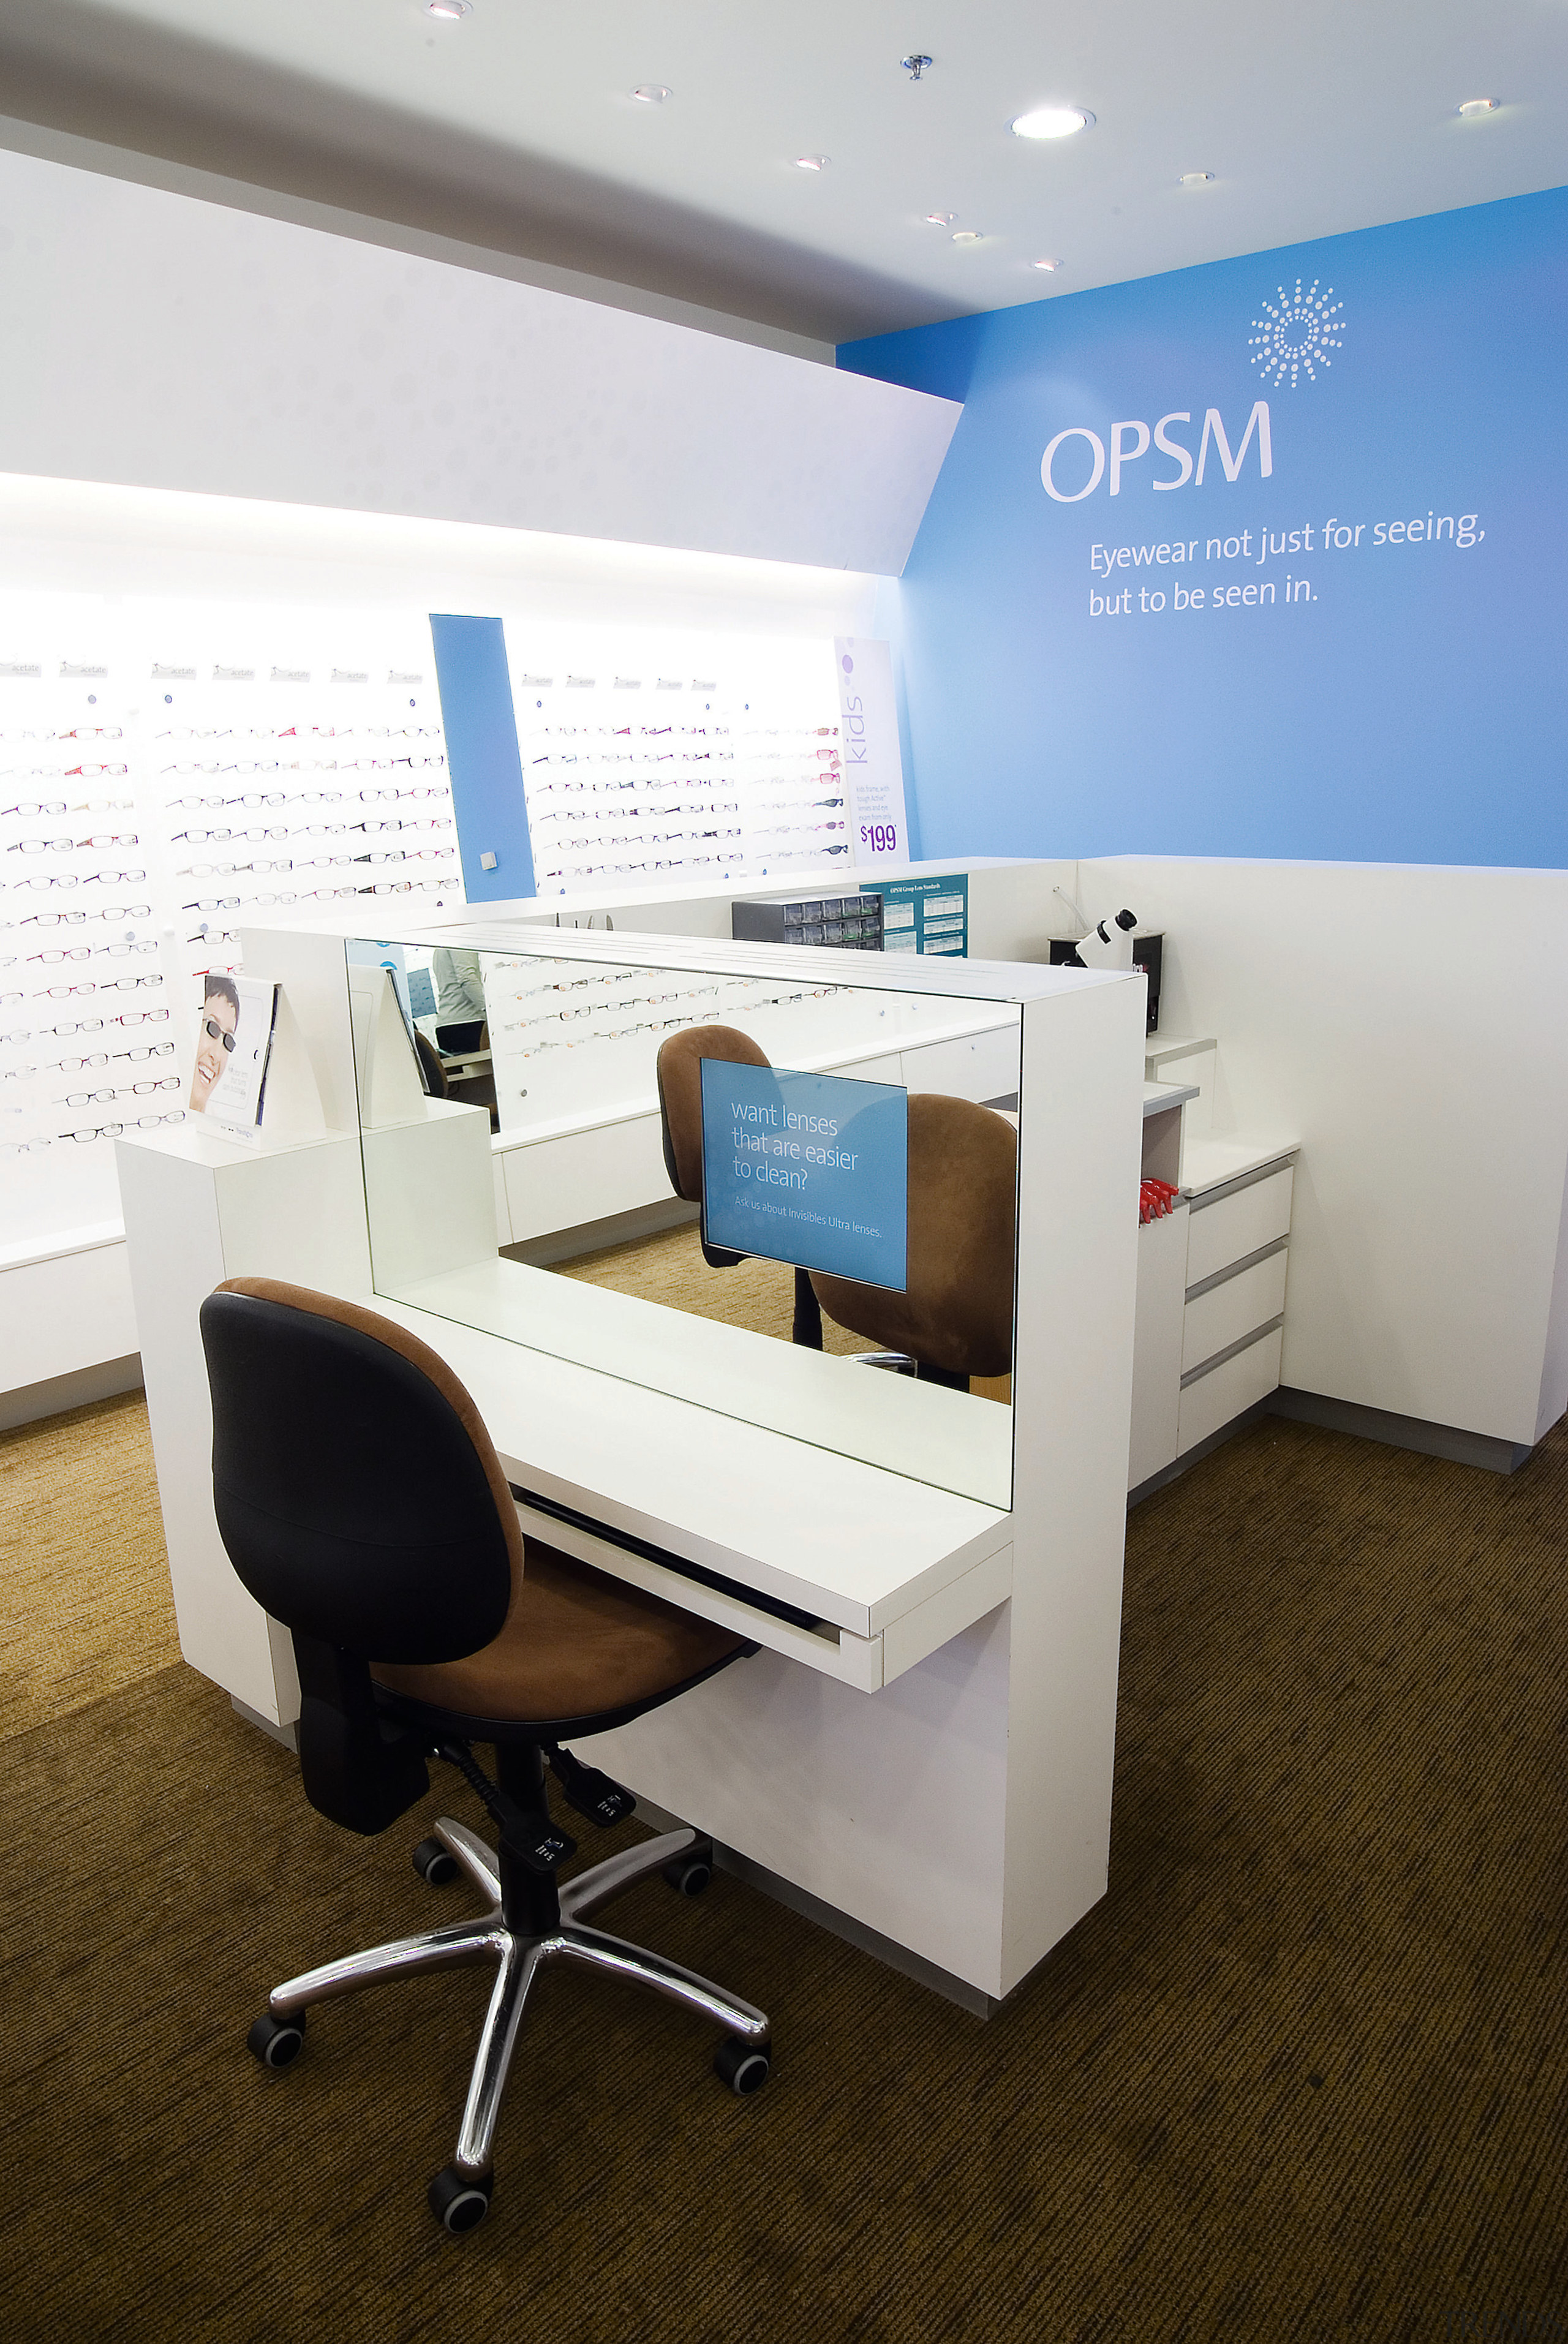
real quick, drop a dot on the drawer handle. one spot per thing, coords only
(1245, 1343)
(1235, 1268)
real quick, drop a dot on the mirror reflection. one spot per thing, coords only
(790, 1201)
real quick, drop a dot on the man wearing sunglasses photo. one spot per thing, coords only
(215, 1036)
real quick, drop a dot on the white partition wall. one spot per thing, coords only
(1405, 1024)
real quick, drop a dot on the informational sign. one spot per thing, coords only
(923, 916)
(233, 1044)
(873, 763)
(811, 1169)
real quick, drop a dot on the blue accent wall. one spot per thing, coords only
(1400, 694)
(482, 756)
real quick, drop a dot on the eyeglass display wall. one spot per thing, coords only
(166, 769)
(649, 756)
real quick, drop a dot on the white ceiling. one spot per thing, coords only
(515, 129)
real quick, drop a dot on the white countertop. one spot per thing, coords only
(1207, 1162)
(951, 1440)
(845, 1541)
(1157, 1096)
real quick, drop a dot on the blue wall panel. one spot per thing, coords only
(1390, 698)
(482, 756)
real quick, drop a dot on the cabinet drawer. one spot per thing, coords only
(1214, 1320)
(1214, 1398)
(1238, 1224)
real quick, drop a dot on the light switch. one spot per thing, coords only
(487, 863)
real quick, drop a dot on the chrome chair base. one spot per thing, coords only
(519, 1960)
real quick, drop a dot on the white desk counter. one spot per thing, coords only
(921, 1745)
(947, 1440)
(888, 1568)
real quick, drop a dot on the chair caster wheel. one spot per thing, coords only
(435, 1864)
(689, 1875)
(459, 2202)
(744, 2066)
(276, 2042)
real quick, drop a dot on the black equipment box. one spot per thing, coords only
(1148, 952)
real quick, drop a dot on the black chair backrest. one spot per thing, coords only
(350, 1493)
(362, 1504)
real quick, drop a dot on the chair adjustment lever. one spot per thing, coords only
(529, 1836)
(534, 1841)
(592, 1794)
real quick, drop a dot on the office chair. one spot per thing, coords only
(679, 1069)
(362, 1504)
(432, 1073)
(955, 1318)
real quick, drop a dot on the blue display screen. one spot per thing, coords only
(811, 1169)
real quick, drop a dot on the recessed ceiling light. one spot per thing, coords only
(812, 162)
(966, 236)
(940, 219)
(1474, 105)
(651, 93)
(452, 8)
(1196, 178)
(1045, 263)
(1051, 122)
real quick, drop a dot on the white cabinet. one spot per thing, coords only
(1211, 1280)
(1225, 1391)
(1236, 1220)
(1237, 1266)
(1240, 1302)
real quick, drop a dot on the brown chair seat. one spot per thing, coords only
(576, 1644)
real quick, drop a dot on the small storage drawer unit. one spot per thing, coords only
(1238, 1302)
(1231, 1339)
(1240, 1221)
(1221, 1393)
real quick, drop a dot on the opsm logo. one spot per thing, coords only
(1131, 441)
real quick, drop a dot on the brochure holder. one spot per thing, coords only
(291, 1103)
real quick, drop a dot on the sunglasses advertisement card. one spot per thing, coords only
(233, 1047)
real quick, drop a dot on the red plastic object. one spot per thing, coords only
(1155, 1199)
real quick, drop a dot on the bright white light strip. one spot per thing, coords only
(1052, 122)
(449, 8)
(651, 93)
(59, 535)
(812, 162)
(1045, 263)
(1474, 105)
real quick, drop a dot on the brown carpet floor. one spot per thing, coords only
(1303, 2074)
(85, 1596)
